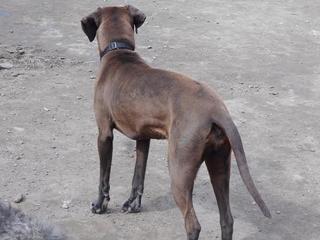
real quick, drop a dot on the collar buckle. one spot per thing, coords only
(114, 45)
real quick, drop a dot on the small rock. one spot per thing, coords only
(79, 97)
(18, 158)
(316, 33)
(11, 50)
(18, 129)
(15, 74)
(46, 109)
(21, 52)
(19, 198)
(6, 65)
(278, 212)
(66, 204)
(149, 47)
(274, 93)
(92, 77)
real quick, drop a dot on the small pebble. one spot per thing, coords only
(15, 74)
(278, 212)
(18, 129)
(6, 65)
(66, 204)
(11, 50)
(149, 47)
(92, 77)
(19, 198)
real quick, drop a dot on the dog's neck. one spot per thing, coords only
(123, 35)
(116, 45)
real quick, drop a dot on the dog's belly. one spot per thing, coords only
(142, 129)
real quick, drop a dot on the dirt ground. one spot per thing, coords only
(263, 57)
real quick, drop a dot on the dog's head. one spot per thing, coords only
(113, 22)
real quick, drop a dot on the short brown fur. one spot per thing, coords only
(146, 103)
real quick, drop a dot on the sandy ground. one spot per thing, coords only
(263, 57)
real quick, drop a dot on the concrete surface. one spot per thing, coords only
(263, 57)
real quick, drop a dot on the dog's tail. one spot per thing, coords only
(224, 121)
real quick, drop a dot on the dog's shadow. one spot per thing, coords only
(160, 203)
(289, 220)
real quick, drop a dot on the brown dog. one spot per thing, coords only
(146, 103)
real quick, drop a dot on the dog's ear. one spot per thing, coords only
(90, 24)
(138, 16)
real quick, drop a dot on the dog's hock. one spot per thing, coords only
(90, 25)
(138, 16)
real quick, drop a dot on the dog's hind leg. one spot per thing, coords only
(133, 204)
(105, 145)
(218, 164)
(184, 162)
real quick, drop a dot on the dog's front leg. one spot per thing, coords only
(105, 145)
(133, 204)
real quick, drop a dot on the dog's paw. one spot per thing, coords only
(99, 208)
(131, 206)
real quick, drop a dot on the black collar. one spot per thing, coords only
(116, 45)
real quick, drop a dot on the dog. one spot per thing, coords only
(14, 224)
(147, 103)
